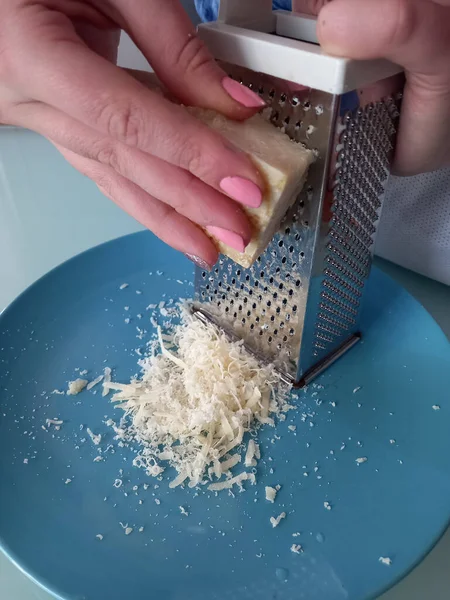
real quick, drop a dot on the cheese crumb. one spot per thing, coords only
(275, 521)
(327, 505)
(252, 453)
(96, 439)
(99, 536)
(361, 460)
(296, 549)
(271, 493)
(94, 382)
(436, 407)
(76, 386)
(128, 530)
(123, 286)
(183, 511)
(385, 560)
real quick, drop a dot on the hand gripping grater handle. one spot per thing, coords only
(299, 306)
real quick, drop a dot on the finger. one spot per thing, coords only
(413, 33)
(179, 189)
(167, 37)
(70, 77)
(400, 31)
(309, 7)
(172, 228)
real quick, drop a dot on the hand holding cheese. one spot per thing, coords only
(173, 174)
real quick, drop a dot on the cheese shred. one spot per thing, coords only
(194, 403)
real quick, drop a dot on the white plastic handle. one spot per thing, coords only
(284, 45)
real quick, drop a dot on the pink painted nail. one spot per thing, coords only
(242, 190)
(199, 262)
(229, 238)
(242, 94)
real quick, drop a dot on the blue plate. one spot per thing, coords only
(376, 403)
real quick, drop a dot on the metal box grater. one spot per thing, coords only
(299, 305)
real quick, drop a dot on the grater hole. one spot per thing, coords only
(235, 315)
(278, 310)
(281, 286)
(272, 93)
(262, 274)
(270, 339)
(302, 254)
(298, 283)
(252, 326)
(275, 295)
(272, 318)
(294, 308)
(291, 249)
(285, 339)
(287, 231)
(275, 332)
(281, 243)
(298, 125)
(203, 274)
(283, 260)
(291, 332)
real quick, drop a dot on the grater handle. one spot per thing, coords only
(284, 44)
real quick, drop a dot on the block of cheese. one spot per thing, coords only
(283, 165)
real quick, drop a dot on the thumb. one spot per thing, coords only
(167, 37)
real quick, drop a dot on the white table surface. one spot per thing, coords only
(48, 213)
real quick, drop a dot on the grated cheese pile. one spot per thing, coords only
(193, 404)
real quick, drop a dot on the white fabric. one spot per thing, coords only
(415, 224)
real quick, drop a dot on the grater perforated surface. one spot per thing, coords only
(302, 298)
(365, 143)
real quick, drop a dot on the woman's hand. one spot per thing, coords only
(173, 174)
(414, 34)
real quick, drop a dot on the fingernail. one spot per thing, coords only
(199, 262)
(242, 190)
(242, 94)
(229, 238)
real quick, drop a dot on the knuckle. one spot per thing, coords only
(403, 25)
(123, 122)
(192, 55)
(106, 154)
